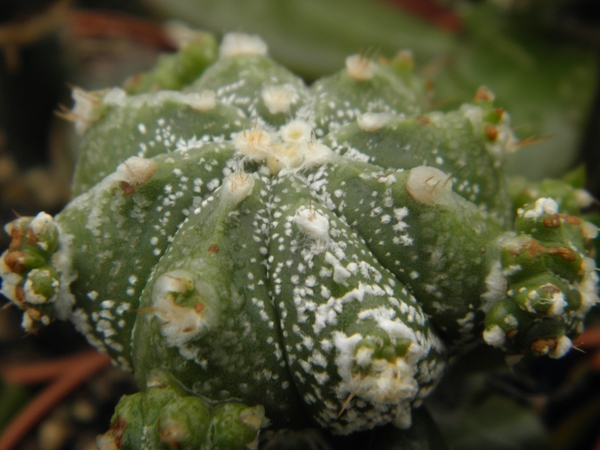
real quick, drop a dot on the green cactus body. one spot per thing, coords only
(313, 251)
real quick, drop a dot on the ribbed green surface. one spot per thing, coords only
(312, 251)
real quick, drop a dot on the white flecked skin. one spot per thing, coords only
(311, 249)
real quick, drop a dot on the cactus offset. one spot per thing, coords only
(311, 252)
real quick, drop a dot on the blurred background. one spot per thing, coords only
(540, 58)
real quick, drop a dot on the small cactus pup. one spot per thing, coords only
(264, 254)
(165, 416)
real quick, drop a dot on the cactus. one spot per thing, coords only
(263, 254)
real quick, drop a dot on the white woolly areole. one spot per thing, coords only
(494, 336)
(512, 142)
(10, 280)
(292, 147)
(106, 442)
(515, 245)
(296, 132)
(118, 97)
(41, 224)
(363, 357)
(314, 224)
(135, 170)
(557, 300)
(588, 287)
(359, 67)
(389, 387)
(85, 111)
(180, 324)
(278, 99)
(236, 187)
(563, 345)
(373, 121)
(31, 318)
(554, 348)
(542, 206)
(236, 44)
(202, 101)
(9, 227)
(427, 185)
(583, 198)
(589, 230)
(316, 154)
(253, 144)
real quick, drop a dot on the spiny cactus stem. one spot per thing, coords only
(308, 253)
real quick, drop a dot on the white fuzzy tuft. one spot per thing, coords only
(563, 345)
(202, 101)
(292, 147)
(313, 223)
(427, 185)
(588, 287)
(557, 300)
(236, 44)
(41, 224)
(28, 323)
(107, 442)
(494, 336)
(10, 281)
(296, 132)
(180, 324)
(236, 187)
(373, 121)
(388, 386)
(583, 197)
(317, 154)
(118, 97)
(589, 230)
(364, 357)
(253, 144)
(360, 68)
(135, 170)
(85, 111)
(543, 206)
(278, 99)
